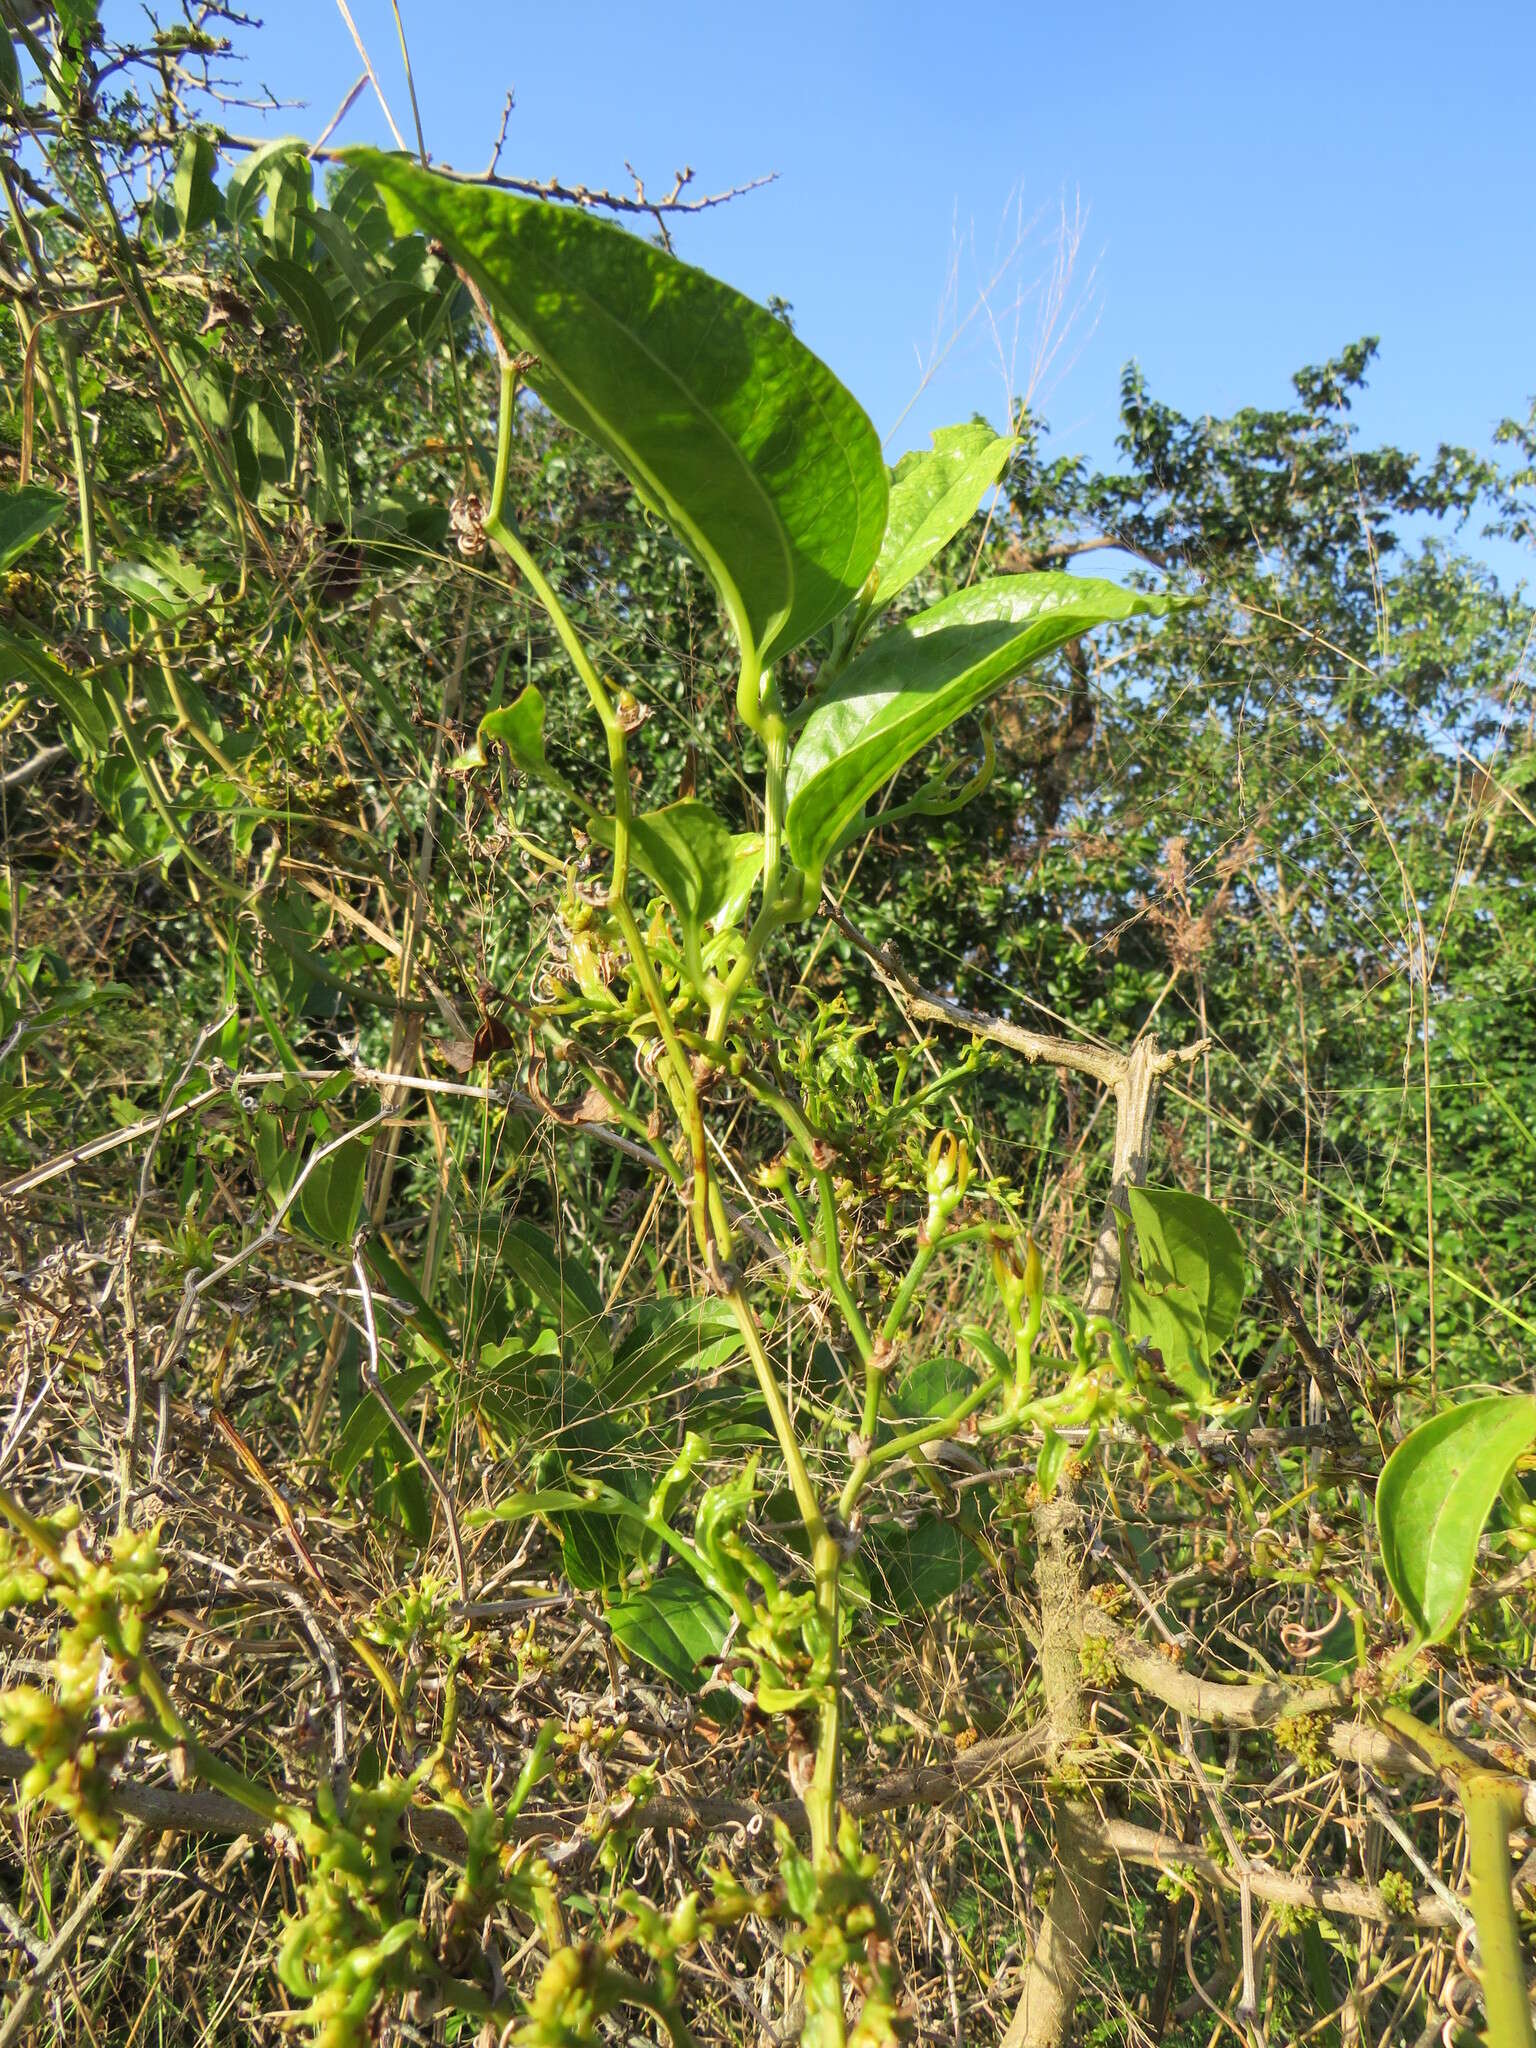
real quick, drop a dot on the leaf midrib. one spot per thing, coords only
(743, 465)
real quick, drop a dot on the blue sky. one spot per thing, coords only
(1256, 185)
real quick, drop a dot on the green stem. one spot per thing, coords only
(504, 418)
(1492, 1805)
(40, 1538)
(783, 1424)
(76, 417)
(504, 535)
(189, 722)
(709, 1229)
(826, 1565)
(913, 1440)
(821, 1794)
(775, 736)
(794, 1121)
(891, 1326)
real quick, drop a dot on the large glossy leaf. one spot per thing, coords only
(565, 1288)
(675, 1624)
(1434, 1498)
(918, 678)
(933, 494)
(727, 425)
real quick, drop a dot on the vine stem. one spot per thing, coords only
(1493, 1804)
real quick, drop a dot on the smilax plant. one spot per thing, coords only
(769, 471)
(846, 1393)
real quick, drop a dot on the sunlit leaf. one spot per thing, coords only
(1192, 1282)
(519, 727)
(1434, 1498)
(933, 495)
(726, 424)
(919, 678)
(676, 1625)
(1187, 1240)
(746, 866)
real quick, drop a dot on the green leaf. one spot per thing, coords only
(513, 1387)
(329, 1203)
(675, 1625)
(10, 74)
(689, 853)
(26, 514)
(82, 699)
(934, 1388)
(519, 727)
(248, 175)
(565, 1288)
(306, 299)
(746, 866)
(380, 314)
(693, 858)
(167, 589)
(1434, 1498)
(263, 449)
(368, 1422)
(290, 205)
(1193, 1278)
(331, 1200)
(670, 1339)
(419, 1316)
(916, 1568)
(1169, 1319)
(933, 495)
(195, 195)
(1185, 1239)
(918, 678)
(727, 425)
